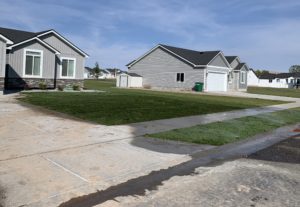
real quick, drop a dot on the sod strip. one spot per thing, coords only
(220, 133)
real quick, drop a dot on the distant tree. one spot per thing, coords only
(261, 72)
(97, 70)
(294, 69)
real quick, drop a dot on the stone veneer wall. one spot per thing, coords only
(13, 83)
(1, 84)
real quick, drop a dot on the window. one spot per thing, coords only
(68, 67)
(287, 80)
(277, 80)
(243, 77)
(270, 80)
(33, 61)
(180, 77)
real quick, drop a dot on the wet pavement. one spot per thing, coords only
(47, 159)
(139, 187)
(269, 177)
(287, 151)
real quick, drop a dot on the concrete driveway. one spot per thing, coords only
(48, 159)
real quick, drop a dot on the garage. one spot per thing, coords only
(216, 81)
(130, 80)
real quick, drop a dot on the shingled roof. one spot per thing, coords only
(267, 76)
(230, 59)
(16, 35)
(19, 37)
(193, 57)
(239, 66)
(287, 75)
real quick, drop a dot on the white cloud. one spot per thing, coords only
(205, 25)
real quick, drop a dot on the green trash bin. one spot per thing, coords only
(198, 86)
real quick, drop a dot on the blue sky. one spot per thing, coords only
(264, 33)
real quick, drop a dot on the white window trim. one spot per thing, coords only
(74, 73)
(180, 81)
(41, 63)
(242, 72)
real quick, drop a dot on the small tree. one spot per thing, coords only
(97, 70)
(294, 69)
(261, 72)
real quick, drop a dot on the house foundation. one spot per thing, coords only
(34, 83)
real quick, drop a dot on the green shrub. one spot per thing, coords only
(76, 87)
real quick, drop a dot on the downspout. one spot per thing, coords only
(55, 72)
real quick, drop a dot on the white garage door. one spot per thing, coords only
(216, 81)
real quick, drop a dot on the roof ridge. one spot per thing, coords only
(18, 30)
(189, 49)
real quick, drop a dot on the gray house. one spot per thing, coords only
(27, 59)
(171, 67)
(238, 76)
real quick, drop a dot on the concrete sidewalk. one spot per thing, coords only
(150, 127)
(146, 187)
(46, 159)
(251, 95)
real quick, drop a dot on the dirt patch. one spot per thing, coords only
(286, 151)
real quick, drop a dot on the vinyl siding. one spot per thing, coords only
(67, 52)
(252, 78)
(218, 61)
(234, 63)
(2, 57)
(243, 85)
(16, 60)
(159, 69)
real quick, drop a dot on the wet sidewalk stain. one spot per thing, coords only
(285, 151)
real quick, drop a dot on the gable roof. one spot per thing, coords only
(287, 75)
(130, 63)
(40, 34)
(88, 68)
(230, 59)
(192, 57)
(134, 75)
(267, 76)
(19, 37)
(16, 35)
(279, 75)
(240, 65)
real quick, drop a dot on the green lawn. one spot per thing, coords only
(100, 84)
(122, 106)
(219, 133)
(275, 91)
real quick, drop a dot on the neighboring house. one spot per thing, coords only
(113, 73)
(252, 78)
(237, 77)
(104, 74)
(28, 58)
(171, 67)
(280, 80)
(88, 73)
